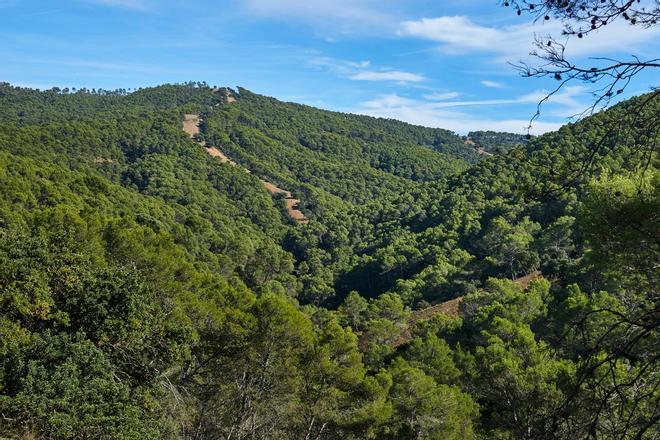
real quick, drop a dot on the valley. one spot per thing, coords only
(152, 286)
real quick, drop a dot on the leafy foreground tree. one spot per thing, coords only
(619, 333)
(619, 220)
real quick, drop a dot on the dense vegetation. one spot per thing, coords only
(149, 291)
(495, 141)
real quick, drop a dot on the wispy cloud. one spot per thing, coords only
(424, 113)
(458, 35)
(492, 84)
(448, 114)
(387, 75)
(110, 68)
(566, 101)
(565, 104)
(363, 71)
(441, 96)
(43, 12)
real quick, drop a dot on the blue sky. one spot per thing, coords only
(431, 62)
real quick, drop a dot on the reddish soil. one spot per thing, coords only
(292, 204)
(292, 207)
(191, 126)
(217, 153)
(481, 151)
(524, 281)
(449, 308)
(276, 190)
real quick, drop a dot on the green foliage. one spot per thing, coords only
(425, 409)
(65, 387)
(519, 380)
(620, 217)
(149, 291)
(433, 356)
(497, 142)
(510, 246)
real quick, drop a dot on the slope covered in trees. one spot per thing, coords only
(495, 141)
(148, 290)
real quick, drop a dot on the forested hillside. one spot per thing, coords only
(496, 142)
(149, 290)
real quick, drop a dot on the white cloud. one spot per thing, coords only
(428, 114)
(564, 103)
(362, 71)
(441, 96)
(492, 84)
(447, 114)
(458, 35)
(565, 99)
(343, 67)
(388, 75)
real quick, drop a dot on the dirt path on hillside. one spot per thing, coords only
(191, 126)
(480, 150)
(449, 308)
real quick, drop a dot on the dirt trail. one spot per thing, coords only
(524, 281)
(191, 126)
(480, 150)
(276, 190)
(449, 308)
(292, 204)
